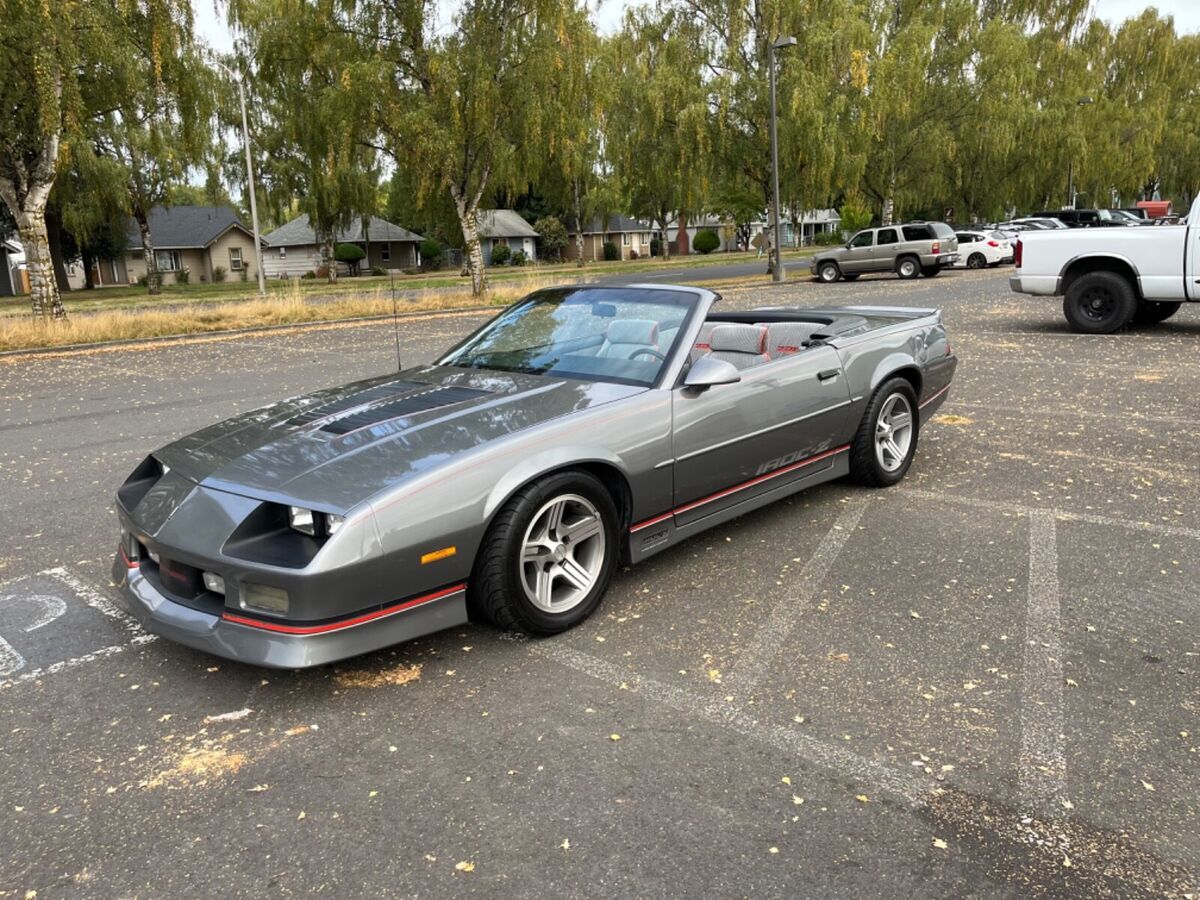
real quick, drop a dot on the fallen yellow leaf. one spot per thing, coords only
(863, 798)
(465, 866)
(939, 843)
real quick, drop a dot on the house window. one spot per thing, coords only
(167, 260)
(235, 259)
(385, 252)
(625, 238)
(283, 252)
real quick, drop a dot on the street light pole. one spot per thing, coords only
(262, 283)
(777, 270)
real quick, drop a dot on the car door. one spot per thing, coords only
(857, 257)
(736, 441)
(887, 243)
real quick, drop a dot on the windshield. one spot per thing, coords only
(623, 335)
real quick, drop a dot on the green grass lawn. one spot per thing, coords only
(136, 297)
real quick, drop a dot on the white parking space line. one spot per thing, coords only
(92, 597)
(1042, 769)
(842, 763)
(75, 662)
(756, 659)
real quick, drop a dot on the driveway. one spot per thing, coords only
(983, 682)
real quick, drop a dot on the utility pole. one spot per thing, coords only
(1082, 101)
(777, 270)
(262, 282)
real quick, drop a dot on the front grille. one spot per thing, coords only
(416, 403)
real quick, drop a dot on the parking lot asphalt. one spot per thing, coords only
(982, 682)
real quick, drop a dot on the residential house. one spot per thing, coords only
(292, 249)
(195, 239)
(10, 254)
(803, 232)
(628, 235)
(505, 226)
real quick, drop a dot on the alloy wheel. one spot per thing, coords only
(562, 553)
(893, 432)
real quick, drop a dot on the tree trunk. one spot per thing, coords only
(468, 220)
(578, 224)
(88, 261)
(43, 290)
(153, 278)
(665, 244)
(889, 203)
(328, 257)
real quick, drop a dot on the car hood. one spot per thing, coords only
(336, 448)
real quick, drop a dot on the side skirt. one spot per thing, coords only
(658, 537)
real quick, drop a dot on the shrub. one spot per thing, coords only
(633, 254)
(144, 281)
(218, 274)
(431, 254)
(519, 258)
(378, 270)
(500, 254)
(552, 236)
(350, 254)
(610, 251)
(411, 270)
(309, 275)
(244, 273)
(828, 238)
(655, 247)
(856, 215)
(706, 241)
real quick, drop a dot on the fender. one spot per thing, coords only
(1106, 254)
(533, 467)
(891, 363)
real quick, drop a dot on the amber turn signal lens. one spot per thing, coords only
(434, 556)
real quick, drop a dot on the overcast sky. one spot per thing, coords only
(211, 25)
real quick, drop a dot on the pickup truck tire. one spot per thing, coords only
(1151, 313)
(829, 272)
(1100, 303)
(890, 421)
(931, 271)
(908, 267)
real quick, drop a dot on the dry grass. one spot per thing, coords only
(288, 309)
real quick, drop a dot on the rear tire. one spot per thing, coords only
(828, 272)
(1150, 313)
(872, 462)
(976, 261)
(1100, 303)
(851, 276)
(931, 271)
(531, 562)
(908, 267)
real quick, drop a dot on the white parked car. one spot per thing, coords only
(979, 249)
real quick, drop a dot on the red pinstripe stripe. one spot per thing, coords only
(343, 623)
(934, 397)
(739, 487)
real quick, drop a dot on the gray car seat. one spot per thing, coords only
(742, 345)
(625, 337)
(786, 338)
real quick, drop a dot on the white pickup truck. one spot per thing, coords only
(1110, 277)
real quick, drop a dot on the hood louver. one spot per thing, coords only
(371, 395)
(406, 406)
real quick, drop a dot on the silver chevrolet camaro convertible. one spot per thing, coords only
(581, 428)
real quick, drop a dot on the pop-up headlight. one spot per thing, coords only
(314, 524)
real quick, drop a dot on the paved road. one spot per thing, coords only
(981, 683)
(705, 269)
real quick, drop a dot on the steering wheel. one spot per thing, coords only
(636, 353)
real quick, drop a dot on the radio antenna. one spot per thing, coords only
(396, 321)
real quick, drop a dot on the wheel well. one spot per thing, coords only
(910, 374)
(903, 256)
(1091, 264)
(610, 476)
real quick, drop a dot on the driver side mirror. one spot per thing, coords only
(707, 372)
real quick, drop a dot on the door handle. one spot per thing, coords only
(828, 374)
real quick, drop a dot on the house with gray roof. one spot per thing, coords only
(505, 226)
(292, 249)
(210, 243)
(629, 236)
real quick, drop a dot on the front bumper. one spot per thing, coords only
(286, 645)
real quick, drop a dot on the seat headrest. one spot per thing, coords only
(632, 331)
(739, 339)
(784, 338)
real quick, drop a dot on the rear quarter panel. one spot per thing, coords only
(1155, 254)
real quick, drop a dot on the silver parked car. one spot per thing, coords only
(583, 428)
(909, 250)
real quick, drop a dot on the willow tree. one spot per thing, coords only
(660, 133)
(314, 89)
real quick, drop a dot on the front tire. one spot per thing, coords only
(1150, 313)
(548, 556)
(828, 272)
(886, 441)
(1099, 303)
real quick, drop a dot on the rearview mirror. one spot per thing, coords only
(707, 372)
